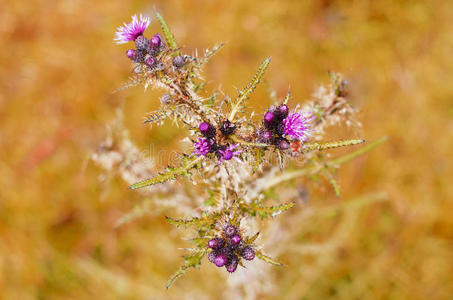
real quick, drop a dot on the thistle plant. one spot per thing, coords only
(237, 154)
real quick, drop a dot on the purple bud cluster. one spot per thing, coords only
(146, 50)
(227, 250)
(273, 131)
(208, 144)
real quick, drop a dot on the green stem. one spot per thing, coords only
(335, 162)
(245, 143)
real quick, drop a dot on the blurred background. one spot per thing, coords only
(59, 66)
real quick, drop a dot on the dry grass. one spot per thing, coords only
(58, 67)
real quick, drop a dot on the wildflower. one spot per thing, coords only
(202, 147)
(178, 61)
(216, 243)
(155, 40)
(269, 117)
(223, 257)
(282, 144)
(248, 253)
(130, 31)
(233, 264)
(281, 112)
(229, 230)
(220, 260)
(264, 136)
(207, 130)
(235, 239)
(131, 53)
(211, 256)
(150, 61)
(297, 125)
(228, 153)
(141, 43)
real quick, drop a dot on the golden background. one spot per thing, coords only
(59, 66)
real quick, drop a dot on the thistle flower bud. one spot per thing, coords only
(233, 264)
(227, 128)
(282, 144)
(155, 40)
(248, 253)
(216, 243)
(131, 53)
(150, 61)
(211, 256)
(269, 120)
(220, 260)
(281, 112)
(264, 136)
(207, 129)
(178, 61)
(139, 56)
(229, 230)
(141, 42)
(269, 117)
(235, 239)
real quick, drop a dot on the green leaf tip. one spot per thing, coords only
(330, 145)
(170, 39)
(245, 93)
(267, 259)
(170, 174)
(190, 261)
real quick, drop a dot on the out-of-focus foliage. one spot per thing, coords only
(389, 235)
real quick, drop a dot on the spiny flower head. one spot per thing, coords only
(216, 243)
(229, 230)
(297, 125)
(233, 264)
(130, 31)
(228, 153)
(248, 253)
(207, 129)
(202, 147)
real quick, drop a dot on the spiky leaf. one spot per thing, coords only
(245, 93)
(267, 259)
(266, 211)
(190, 261)
(170, 174)
(335, 186)
(208, 54)
(205, 220)
(169, 38)
(329, 145)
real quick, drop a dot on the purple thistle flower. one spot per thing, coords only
(202, 147)
(248, 253)
(130, 31)
(229, 230)
(235, 239)
(178, 61)
(207, 130)
(155, 40)
(211, 256)
(150, 61)
(264, 136)
(228, 153)
(297, 125)
(131, 53)
(233, 264)
(216, 243)
(220, 260)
